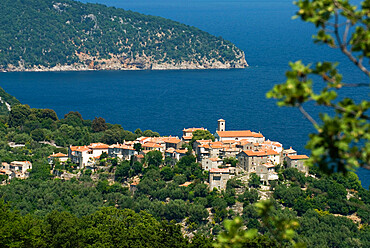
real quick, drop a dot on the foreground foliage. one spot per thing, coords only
(107, 227)
(342, 140)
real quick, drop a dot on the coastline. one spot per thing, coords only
(121, 63)
(154, 67)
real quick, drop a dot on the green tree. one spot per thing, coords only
(104, 155)
(154, 158)
(231, 160)
(341, 142)
(254, 180)
(137, 167)
(38, 134)
(122, 171)
(138, 132)
(150, 133)
(18, 115)
(167, 173)
(201, 135)
(138, 147)
(63, 229)
(197, 213)
(73, 119)
(249, 197)
(99, 125)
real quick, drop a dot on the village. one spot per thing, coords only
(250, 150)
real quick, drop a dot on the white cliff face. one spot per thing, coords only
(144, 62)
(6, 104)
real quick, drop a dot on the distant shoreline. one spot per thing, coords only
(97, 70)
(154, 67)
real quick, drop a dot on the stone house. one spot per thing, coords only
(20, 166)
(211, 163)
(218, 178)
(266, 172)
(248, 160)
(289, 152)
(172, 142)
(297, 161)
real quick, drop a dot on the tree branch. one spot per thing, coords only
(308, 116)
(343, 46)
(356, 85)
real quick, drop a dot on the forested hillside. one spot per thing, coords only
(44, 34)
(330, 210)
(6, 102)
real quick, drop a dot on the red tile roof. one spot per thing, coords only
(269, 165)
(216, 145)
(247, 133)
(260, 153)
(81, 149)
(98, 146)
(182, 151)
(172, 140)
(58, 155)
(218, 170)
(152, 145)
(297, 157)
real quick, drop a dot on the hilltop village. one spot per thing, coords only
(230, 154)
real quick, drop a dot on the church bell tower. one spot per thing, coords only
(221, 125)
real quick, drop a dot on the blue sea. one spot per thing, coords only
(168, 101)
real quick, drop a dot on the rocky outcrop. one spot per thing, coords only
(125, 63)
(7, 105)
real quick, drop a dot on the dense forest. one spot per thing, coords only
(46, 33)
(6, 101)
(46, 211)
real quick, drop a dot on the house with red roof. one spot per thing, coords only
(188, 133)
(121, 151)
(266, 172)
(98, 148)
(60, 156)
(211, 163)
(248, 160)
(218, 178)
(297, 161)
